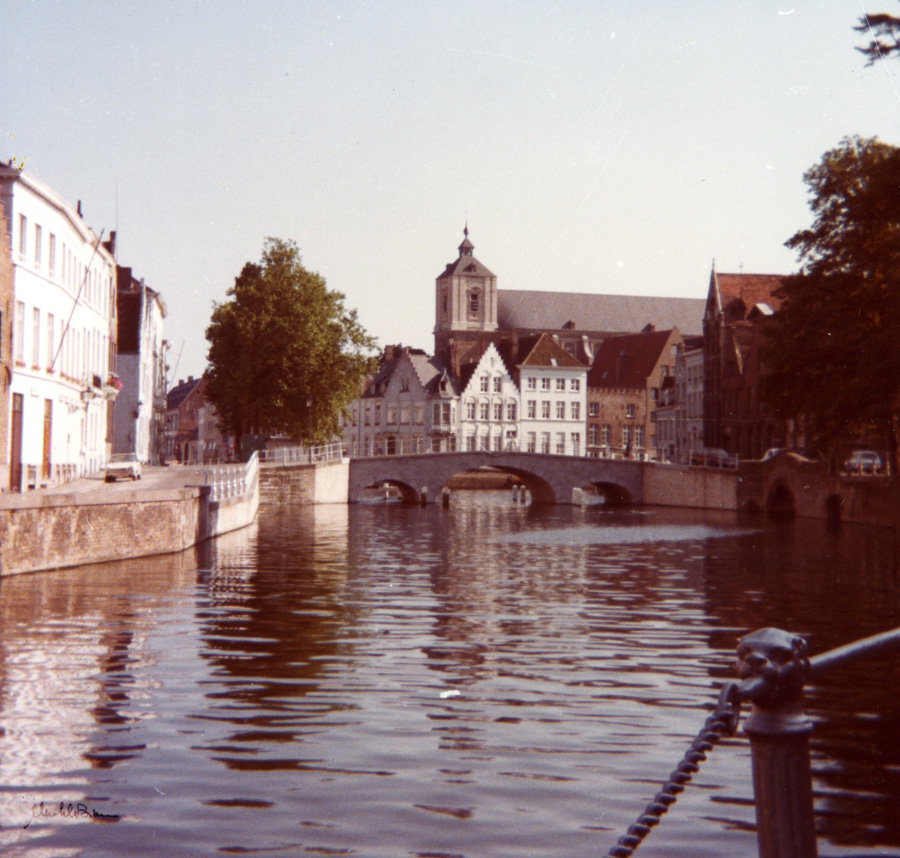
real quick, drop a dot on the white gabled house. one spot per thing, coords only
(63, 337)
(489, 405)
(553, 390)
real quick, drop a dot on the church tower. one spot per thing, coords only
(465, 302)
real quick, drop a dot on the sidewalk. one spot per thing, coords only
(153, 477)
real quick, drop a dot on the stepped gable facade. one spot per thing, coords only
(735, 419)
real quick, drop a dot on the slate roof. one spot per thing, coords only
(626, 361)
(466, 263)
(537, 310)
(181, 391)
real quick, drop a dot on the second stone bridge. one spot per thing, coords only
(549, 478)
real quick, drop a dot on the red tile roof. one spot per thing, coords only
(626, 361)
(752, 289)
(547, 352)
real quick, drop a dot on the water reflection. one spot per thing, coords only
(484, 680)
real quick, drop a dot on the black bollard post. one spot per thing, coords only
(779, 743)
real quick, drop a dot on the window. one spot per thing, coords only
(531, 383)
(23, 236)
(51, 254)
(50, 330)
(511, 411)
(575, 437)
(593, 409)
(470, 443)
(545, 409)
(35, 338)
(560, 384)
(654, 394)
(404, 412)
(484, 411)
(593, 435)
(576, 411)
(639, 436)
(545, 384)
(629, 411)
(531, 443)
(545, 442)
(626, 436)
(498, 411)
(498, 384)
(404, 385)
(470, 409)
(441, 414)
(483, 384)
(377, 415)
(576, 385)
(474, 303)
(607, 434)
(391, 414)
(38, 242)
(532, 409)
(560, 442)
(560, 410)
(498, 442)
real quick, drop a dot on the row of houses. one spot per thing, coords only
(575, 374)
(82, 352)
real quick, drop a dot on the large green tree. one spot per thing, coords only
(833, 349)
(285, 355)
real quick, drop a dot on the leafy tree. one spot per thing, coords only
(880, 27)
(833, 348)
(285, 356)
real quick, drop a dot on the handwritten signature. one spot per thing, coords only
(68, 810)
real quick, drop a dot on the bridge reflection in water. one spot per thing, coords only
(488, 680)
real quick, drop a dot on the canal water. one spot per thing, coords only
(487, 680)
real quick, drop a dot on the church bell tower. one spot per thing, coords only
(465, 300)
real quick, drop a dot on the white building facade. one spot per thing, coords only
(63, 337)
(141, 368)
(489, 407)
(553, 389)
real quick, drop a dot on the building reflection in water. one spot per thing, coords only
(70, 645)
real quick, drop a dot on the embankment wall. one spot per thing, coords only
(701, 488)
(304, 484)
(45, 532)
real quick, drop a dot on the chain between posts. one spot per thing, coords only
(722, 722)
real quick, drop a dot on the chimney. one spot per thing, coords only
(110, 245)
(388, 354)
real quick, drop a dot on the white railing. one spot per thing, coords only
(303, 455)
(230, 481)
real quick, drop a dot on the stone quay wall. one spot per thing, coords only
(55, 531)
(323, 482)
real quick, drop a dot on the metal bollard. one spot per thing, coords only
(515, 493)
(445, 497)
(779, 743)
(423, 496)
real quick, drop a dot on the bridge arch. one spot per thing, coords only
(541, 491)
(613, 494)
(780, 503)
(549, 478)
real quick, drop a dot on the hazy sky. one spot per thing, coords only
(593, 146)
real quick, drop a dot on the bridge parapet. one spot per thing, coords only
(549, 478)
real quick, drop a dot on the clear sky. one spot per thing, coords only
(594, 146)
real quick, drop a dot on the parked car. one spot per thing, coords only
(122, 465)
(714, 458)
(772, 452)
(864, 462)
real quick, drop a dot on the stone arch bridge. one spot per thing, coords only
(549, 478)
